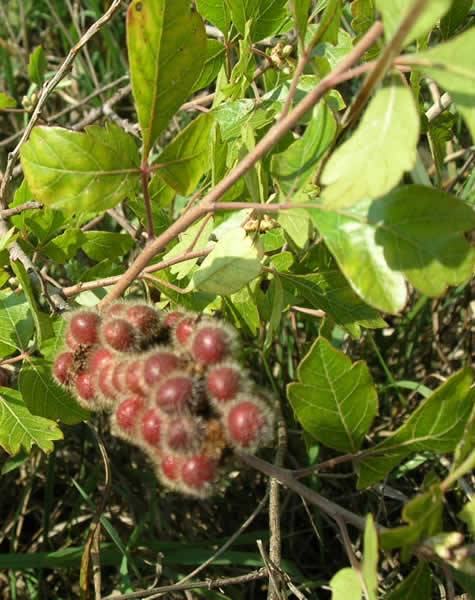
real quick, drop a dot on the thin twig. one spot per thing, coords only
(6, 213)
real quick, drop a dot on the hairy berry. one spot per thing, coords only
(104, 382)
(63, 368)
(159, 364)
(210, 344)
(134, 377)
(119, 334)
(85, 386)
(127, 413)
(175, 393)
(198, 471)
(99, 358)
(171, 318)
(116, 309)
(152, 423)
(171, 466)
(83, 327)
(71, 343)
(144, 318)
(223, 382)
(118, 376)
(183, 330)
(4, 377)
(182, 434)
(248, 423)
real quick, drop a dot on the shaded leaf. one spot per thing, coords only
(20, 429)
(167, 47)
(216, 12)
(435, 426)
(90, 171)
(334, 400)
(215, 55)
(267, 16)
(100, 245)
(375, 157)
(37, 64)
(467, 514)
(414, 231)
(6, 101)
(65, 246)
(455, 17)
(300, 9)
(417, 585)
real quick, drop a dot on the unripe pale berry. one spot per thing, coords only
(248, 423)
(134, 380)
(223, 382)
(63, 368)
(210, 344)
(151, 427)
(83, 327)
(198, 472)
(159, 364)
(119, 334)
(175, 393)
(85, 388)
(182, 435)
(99, 358)
(144, 318)
(127, 413)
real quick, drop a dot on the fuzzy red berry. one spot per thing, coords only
(118, 376)
(158, 365)
(210, 344)
(104, 382)
(171, 318)
(223, 382)
(171, 467)
(182, 434)
(71, 343)
(151, 428)
(183, 330)
(85, 386)
(247, 423)
(198, 471)
(175, 393)
(99, 358)
(127, 413)
(116, 309)
(62, 368)
(4, 377)
(119, 334)
(83, 327)
(134, 380)
(144, 318)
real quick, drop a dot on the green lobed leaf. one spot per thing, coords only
(346, 584)
(243, 307)
(167, 48)
(20, 429)
(232, 263)
(369, 564)
(37, 65)
(6, 101)
(43, 397)
(187, 157)
(16, 323)
(297, 225)
(375, 157)
(65, 246)
(416, 585)
(216, 12)
(215, 55)
(394, 11)
(334, 400)
(293, 167)
(194, 238)
(74, 172)
(99, 245)
(267, 17)
(414, 231)
(435, 426)
(452, 66)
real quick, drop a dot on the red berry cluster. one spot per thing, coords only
(172, 384)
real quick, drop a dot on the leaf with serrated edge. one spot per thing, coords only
(75, 172)
(167, 48)
(232, 263)
(334, 400)
(20, 429)
(44, 397)
(372, 161)
(16, 324)
(414, 231)
(435, 426)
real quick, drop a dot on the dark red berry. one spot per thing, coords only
(223, 382)
(127, 413)
(115, 310)
(210, 345)
(85, 386)
(118, 376)
(174, 394)
(134, 377)
(184, 329)
(171, 318)
(99, 358)
(104, 382)
(182, 434)
(62, 367)
(152, 423)
(198, 471)
(145, 318)
(171, 467)
(158, 365)
(4, 377)
(119, 334)
(247, 423)
(83, 327)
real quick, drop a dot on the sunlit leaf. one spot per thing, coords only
(16, 323)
